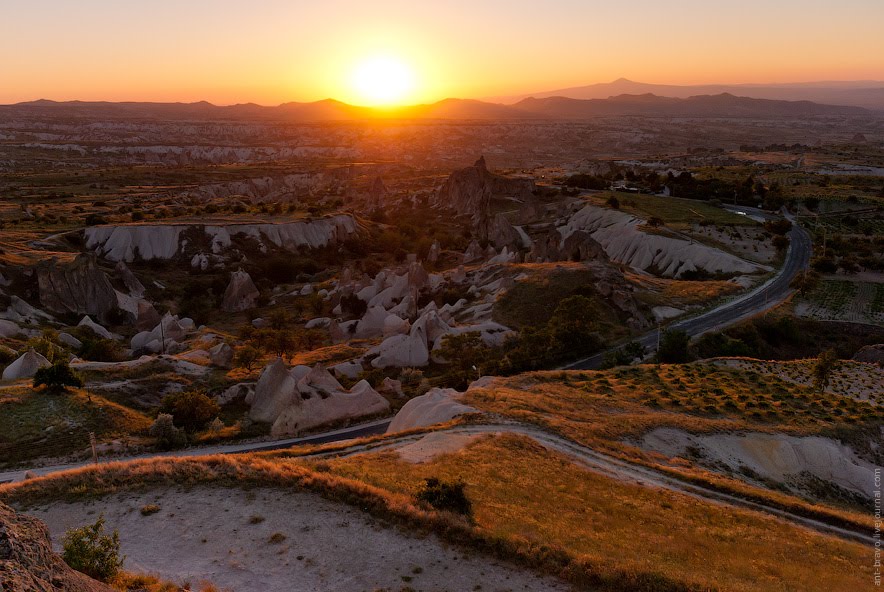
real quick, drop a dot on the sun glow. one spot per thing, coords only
(382, 80)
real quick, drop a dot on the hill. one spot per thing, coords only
(864, 93)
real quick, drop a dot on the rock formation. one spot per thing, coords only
(436, 406)
(221, 355)
(25, 366)
(619, 234)
(167, 241)
(27, 562)
(134, 287)
(303, 398)
(79, 287)
(469, 192)
(872, 354)
(240, 294)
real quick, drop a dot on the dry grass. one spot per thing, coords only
(37, 423)
(331, 354)
(522, 491)
(395, 507)
(609, 409)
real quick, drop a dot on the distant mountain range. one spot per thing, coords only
(532, 108)
(859, 93)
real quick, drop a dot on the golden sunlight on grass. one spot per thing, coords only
(523, 491)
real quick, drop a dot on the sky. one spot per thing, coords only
(275, 51)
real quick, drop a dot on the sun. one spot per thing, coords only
(382, 80)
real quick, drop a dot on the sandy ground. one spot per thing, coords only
(746, 241)
(780, 457)
(206, 534)
(434, 444)
(858, 380)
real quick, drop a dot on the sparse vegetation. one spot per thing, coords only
(89, 550)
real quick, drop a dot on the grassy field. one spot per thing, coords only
(37, 424)
(531, 506)
(674, 211)
(604, 407)
(608, 410)
(521, 490)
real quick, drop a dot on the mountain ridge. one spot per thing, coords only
(530, 108)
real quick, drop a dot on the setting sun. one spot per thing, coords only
(382, 80)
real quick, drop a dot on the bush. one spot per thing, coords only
(101, 350)
(447, 497)
(674, 347)
(191, 410)
(167, 435)
(56, 377)
(88, 550)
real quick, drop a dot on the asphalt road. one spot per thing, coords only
(771, 293)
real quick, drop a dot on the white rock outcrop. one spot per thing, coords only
(303, 398)
(436, 406)
(25, 366)
(624, 242)
(241, 293)
(166, 241)
(96, 328)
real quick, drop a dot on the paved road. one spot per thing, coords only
(348, 433)
(771, 293)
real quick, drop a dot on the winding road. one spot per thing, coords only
(772, 292)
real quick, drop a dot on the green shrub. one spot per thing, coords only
(448, 497)
(190, 410)
(167, 435)
(56, 377)
(89, 550)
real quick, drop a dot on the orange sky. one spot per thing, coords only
(272, 51)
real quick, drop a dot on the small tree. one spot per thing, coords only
(613, 202)
(191, 410)
(574, 325)
(674, 347)
(57, 377)
(448, 497)
(247, 356)
(89, 550)
(167, 435)
(822, 369)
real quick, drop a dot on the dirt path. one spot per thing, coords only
(616, 469)
(208, 534)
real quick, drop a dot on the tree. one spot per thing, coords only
(573, 325)
(805, 282)
(822, 369)
(613, 202)
(246, 356)
(89, 550)
(623, 356)
(191, 410)
(57, 377)
(466, 355)
(674, 347)
(780, 242)
(167, 435)
(655, 221)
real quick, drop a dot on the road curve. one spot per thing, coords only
(766, 296)
(609, 466)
